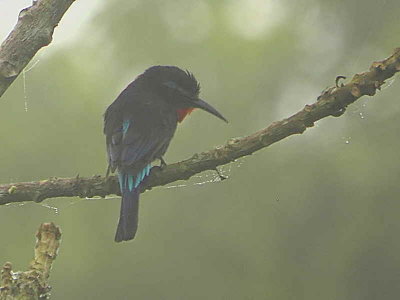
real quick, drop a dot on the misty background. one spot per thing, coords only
(315, 216)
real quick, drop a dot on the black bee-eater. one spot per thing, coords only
(139, 126)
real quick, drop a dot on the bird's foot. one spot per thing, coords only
(108, 171)
(163, 164)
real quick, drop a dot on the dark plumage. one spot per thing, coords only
(139, 126)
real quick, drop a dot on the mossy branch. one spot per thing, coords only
(33, 31)
(33, 283)
(332, 102)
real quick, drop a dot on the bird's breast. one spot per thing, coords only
(182, 113)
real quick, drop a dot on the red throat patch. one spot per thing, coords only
(182, 113)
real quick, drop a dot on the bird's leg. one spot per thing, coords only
(221, 177)
(163, 163)
(108, 171)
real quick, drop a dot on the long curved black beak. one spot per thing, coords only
(198, 103)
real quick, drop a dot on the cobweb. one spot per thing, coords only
(210, 177)
(24, 71)
(47, 206)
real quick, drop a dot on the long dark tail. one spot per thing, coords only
(130, 191)
(128, 218)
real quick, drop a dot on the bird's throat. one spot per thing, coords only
(182, 113)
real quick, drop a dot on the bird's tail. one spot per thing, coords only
(128, 218)
(130, 191)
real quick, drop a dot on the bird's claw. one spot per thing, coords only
(163, 164)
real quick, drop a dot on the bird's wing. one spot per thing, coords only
(143, 143)
(135, 145)
(113, 132)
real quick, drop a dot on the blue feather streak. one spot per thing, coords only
(125, 126)
(131, 182)
(121, 181)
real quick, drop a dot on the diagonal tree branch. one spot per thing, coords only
(33, 31)
(332, 102)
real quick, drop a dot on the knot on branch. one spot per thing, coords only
(25, 14)
(45, 36)
(362, 85)
(7, 69)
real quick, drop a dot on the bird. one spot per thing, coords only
(138, 128)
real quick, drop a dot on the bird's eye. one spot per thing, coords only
(171, 85)
(175, 88)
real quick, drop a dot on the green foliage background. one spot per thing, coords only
(315, 216)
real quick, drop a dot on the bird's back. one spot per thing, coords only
(138, 126)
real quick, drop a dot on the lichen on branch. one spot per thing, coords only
(33, 283)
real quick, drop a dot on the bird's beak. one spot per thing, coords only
(198, 103)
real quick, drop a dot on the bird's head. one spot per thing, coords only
(179, 88)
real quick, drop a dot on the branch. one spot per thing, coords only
(332, 102)
(32, 284)
(33, 31)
